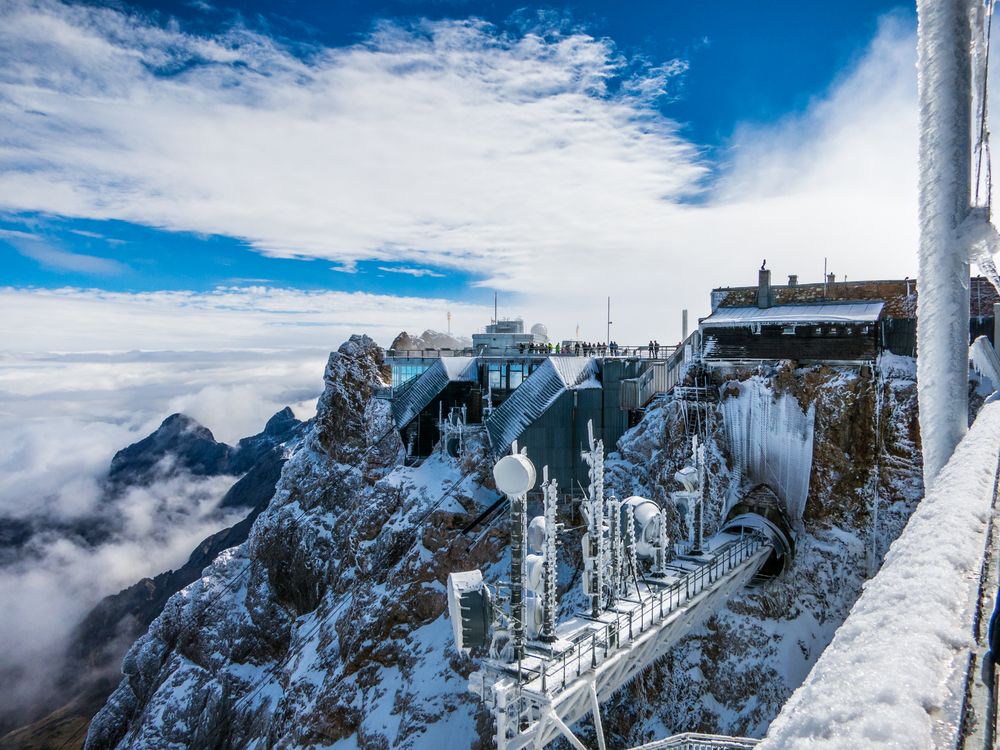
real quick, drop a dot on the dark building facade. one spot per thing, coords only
(836, 321)
(544, 403)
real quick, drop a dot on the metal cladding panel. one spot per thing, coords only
(411, 400)
(848, 312)
(557, 375)
(549, 440)
(614, 418)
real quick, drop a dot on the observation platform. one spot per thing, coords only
(558, 684)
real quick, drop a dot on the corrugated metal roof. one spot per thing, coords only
(536, 394)
(851, 312)
(409, 401)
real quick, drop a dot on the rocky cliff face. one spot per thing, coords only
(732, 675)
(328, 626)
(328, 623)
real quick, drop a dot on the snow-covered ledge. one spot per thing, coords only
(894, 675)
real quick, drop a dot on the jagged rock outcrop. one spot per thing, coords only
(181, 444)
(428, 340)
(329, 621)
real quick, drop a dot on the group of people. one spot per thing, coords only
(589, 349)
(537, 348)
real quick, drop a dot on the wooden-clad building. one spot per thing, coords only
(836, 321)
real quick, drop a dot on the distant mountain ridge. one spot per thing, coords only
(180, 445)
(429, 339)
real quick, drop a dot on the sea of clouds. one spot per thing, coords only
(62, 418)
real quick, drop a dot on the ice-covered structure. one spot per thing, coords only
(771, 440)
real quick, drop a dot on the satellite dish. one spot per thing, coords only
(534, 573)
(534, 611)
(647, 519)
(514, 475)
(536, 534)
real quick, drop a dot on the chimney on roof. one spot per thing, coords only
(831, 278)
(764, 296)
(793, 279)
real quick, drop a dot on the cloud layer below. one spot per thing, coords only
(62, 418)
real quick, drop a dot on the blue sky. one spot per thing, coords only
(436, 150)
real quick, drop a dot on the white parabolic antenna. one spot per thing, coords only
(514, 475)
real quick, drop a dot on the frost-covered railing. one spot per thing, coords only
(897, 667)
(659, 377)
(660, 354)
(623, 627)
(697, 741)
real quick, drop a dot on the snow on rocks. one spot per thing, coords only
(732, 675)
(327, 627)
(893, 676)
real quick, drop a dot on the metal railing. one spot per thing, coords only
(662, 353)
(659, 377)
(698, 741)
(603, 641)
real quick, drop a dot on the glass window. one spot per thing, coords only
(516, 375)
(496, 378)
(404, 373)
(788, 330)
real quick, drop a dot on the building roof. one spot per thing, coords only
(899, 295)
(845, 312)
(411, 399)
(536, 394)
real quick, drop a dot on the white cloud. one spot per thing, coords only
(63, 260)
(73, 319)
(62, 418)
(416, 272)
(457, 146)
(46, 594)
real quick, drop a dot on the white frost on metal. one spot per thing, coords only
(771, 440)
(945, 92)
(461, 583)
(985, 360)
(849, 312)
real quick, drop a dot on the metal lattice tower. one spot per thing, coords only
(550, 603)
